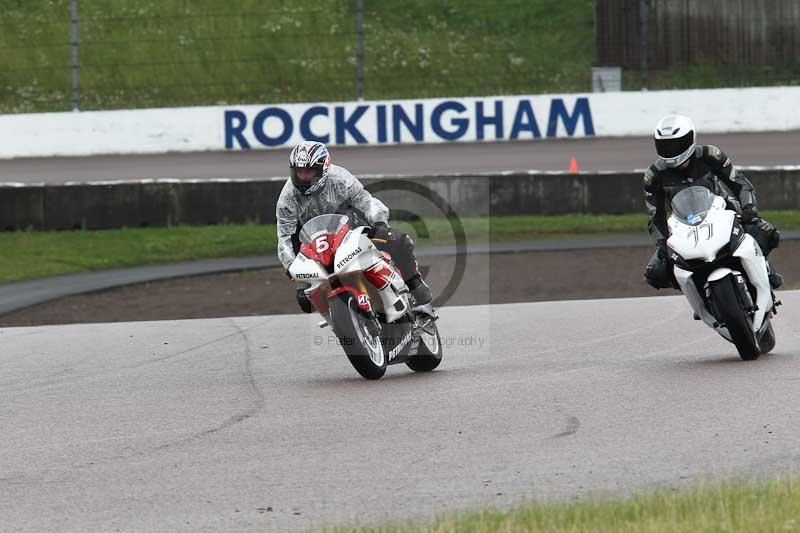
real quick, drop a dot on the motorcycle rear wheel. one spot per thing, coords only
(735, 318)
(363, 349)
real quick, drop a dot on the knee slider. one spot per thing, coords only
(405, 243)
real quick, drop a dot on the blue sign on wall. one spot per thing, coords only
(489, 119)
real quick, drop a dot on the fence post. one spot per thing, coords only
(74, 44)
(360, 48)
(644, 16)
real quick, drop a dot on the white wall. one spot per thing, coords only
(391, 122)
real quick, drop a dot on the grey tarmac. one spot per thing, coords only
(260, 422)
(592, 154)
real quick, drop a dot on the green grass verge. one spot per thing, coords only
(744, 507)
(32, 254)
(155, 53)
(706, 76)
(163, 53)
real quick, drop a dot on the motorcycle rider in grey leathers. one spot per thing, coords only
(317, 187)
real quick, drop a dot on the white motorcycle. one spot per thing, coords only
(363, 298)
(722, 271)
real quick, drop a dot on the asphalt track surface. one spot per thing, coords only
(251, 423)
(595, 154)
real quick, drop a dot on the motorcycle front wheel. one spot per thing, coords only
(429, 352)
(363, 349)
(735, 318)
(767, 342)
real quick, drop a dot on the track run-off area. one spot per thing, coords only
(261, 422)
(622, 154)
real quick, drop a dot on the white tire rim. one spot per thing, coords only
(371, 342)
(431, 342)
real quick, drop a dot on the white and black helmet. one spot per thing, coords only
(675, 139)
(310, 154)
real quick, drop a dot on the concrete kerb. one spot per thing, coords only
(19, 295)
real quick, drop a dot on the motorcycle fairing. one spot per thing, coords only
(755, 265)
(703, 240)
(688, 288)
(358, 253)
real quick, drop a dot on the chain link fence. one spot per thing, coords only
(57, 55)
(148, 53)
(666, 44)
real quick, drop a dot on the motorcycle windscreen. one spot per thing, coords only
(692, 204)
(322, 225)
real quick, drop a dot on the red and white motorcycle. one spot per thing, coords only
(722, 271)
(363, 298)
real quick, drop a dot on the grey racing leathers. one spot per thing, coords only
(341, 192)
(708, 167)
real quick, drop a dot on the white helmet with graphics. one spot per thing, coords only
(675, 139)
(309, 163)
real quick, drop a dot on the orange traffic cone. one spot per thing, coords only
(573, 165)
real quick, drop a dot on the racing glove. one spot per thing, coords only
(380, 230)
(749, 214)
(767, 236)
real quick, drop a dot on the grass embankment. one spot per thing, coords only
(733, 507)
(157, 53)
(33, 254)
(165, 53)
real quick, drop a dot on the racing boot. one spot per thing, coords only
(419, 289)
(775, 279)
(303, 301)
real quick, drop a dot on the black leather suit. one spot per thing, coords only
(708, 167)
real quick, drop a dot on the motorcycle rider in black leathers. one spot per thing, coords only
(317, 187)
(683, 163)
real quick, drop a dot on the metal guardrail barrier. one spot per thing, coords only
(173, 202)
